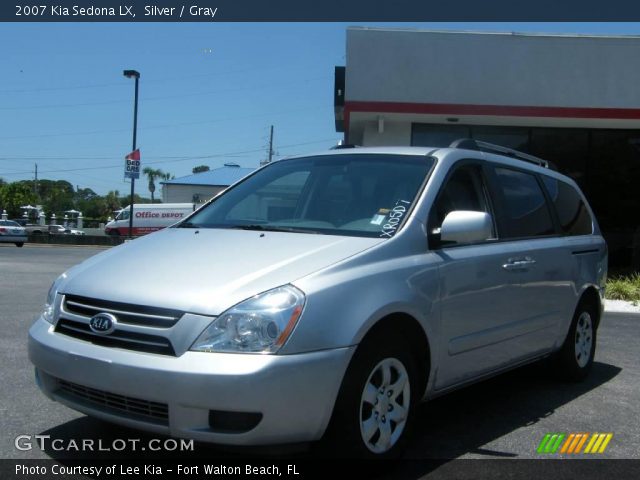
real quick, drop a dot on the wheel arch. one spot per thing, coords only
(591, 295)
(413, 332)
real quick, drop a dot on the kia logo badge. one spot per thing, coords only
(103, 323)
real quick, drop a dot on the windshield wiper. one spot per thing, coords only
(188, 225)
(271, 228)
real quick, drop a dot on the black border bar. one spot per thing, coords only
(304, 469)
(318, 11)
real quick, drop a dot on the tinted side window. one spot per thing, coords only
(526, 211)
(572, 212)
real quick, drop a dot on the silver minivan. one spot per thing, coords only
(325, 296)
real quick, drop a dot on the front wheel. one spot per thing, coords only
(374, 410)
(575, 358)
(19, 244)
(385, 402)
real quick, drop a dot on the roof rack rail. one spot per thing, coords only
(471, 144)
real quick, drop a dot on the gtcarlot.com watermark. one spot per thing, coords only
(45, 442)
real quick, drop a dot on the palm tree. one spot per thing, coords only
(153, 174)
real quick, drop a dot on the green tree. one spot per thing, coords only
(95, 208)
(154, 174)
(13, 196)
(57, 197)
(112, 201)
(84, 194)
(90, 204)
(200, 169)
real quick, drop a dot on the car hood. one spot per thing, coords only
(206, 271)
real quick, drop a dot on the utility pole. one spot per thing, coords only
(35, 183)
(270, 152)
(271, 145)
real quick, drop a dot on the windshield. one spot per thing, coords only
(9, 223)
(357, 194)
(123, 215)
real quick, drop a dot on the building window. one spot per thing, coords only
(427, 135)
(567, 148)
(510, 137)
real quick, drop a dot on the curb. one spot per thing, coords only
(621, 306)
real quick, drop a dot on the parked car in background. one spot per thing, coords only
(31, 228)
(12, 232)
(324, 297)
(62, 230)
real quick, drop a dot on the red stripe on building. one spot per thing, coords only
(497, 110)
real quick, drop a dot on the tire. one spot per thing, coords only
(371, 418)
(575, 359)
(19, 244)
(114, 233)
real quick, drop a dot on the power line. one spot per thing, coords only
(169, 125)
(196, 157)
(165, 97)
(152, 81)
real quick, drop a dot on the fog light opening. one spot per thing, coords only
(221, 421)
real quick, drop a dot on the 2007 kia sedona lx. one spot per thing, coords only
(330, 293)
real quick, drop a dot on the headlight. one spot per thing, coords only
(260, 324)
(49, 306)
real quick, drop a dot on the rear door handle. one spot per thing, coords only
(519, 263)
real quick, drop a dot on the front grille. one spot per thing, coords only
(141, 342)
(107, 402)
(140, 315)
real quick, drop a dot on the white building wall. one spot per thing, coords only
(382, 132)
(387, 65)
(184, 193)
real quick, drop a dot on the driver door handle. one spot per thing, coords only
(519, 263)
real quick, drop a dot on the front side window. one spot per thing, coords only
(358, 195)
(526, 211)
(463, 190)
(572, 212)
(123, 215)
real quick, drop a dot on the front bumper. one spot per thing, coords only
(294, 393)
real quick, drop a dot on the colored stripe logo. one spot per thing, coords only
(573, 443)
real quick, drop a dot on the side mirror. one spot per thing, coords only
(464, 226)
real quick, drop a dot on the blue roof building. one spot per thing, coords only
(200, 187)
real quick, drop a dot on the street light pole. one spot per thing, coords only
(136, 75)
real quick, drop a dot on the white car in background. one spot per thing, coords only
(62, 230)
(12, 232)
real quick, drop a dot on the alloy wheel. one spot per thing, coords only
(584, 339)
(384, 405)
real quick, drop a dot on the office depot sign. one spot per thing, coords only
(148, 218)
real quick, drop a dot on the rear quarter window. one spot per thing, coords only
(573, 214)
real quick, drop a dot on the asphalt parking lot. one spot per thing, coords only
(505, 417)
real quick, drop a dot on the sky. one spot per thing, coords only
(208, 93)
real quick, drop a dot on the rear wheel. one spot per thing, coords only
(19, 244)
(373, 414)
(575, 358)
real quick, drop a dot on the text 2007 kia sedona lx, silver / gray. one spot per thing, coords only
(325, 296)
